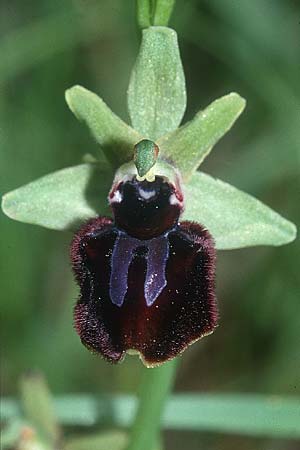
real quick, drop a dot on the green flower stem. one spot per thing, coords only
(154, 12)
(155, 387)
(143, 12)
(163, 11)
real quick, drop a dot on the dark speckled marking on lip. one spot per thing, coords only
(144, 290)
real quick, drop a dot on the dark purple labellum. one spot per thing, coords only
(146, 280)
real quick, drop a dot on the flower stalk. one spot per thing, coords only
(154, 12)
(155, 387)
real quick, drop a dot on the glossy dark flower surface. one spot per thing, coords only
(146, 280)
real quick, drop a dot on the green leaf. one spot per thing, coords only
(190, 144)
(116, 138)
(251, 414)
(156, 93)
(234, 218)
(248, 414)
(62, 200)
(114, 440)
(38, 407)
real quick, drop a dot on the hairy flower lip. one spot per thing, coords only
(146, 279)
(153, 365)
(183, 313)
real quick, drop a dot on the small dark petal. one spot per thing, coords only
(184, 310)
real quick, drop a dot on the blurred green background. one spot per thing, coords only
(252, 48)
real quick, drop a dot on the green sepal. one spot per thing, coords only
(235, 219)
(62, 200)
(156, 93)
